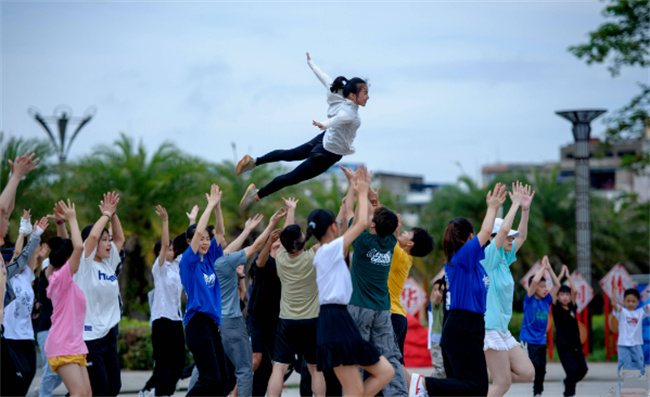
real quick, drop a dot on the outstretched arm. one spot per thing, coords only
(614, 299)
(67, 212)
(20, 167)
(361, 183)
(213, 199)
(322, 76)
(291, 204)
(108, 206)
(164, 239)
(515, 197)
(249, 226)
(259, 241)
(494, 201)
(219, 228)
(536, 279)
(264, 255)
(574, 290)
(525, 214)
(556, 281)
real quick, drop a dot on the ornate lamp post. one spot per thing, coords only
(61, 117)
(581, 120)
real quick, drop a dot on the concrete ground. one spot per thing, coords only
(601, 380)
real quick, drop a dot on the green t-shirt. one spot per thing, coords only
(370, 268)
(438, 317)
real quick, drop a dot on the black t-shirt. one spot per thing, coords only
(264, 303)
(45, 320)
(566, 325)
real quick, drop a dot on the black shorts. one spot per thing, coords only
(295, 336)
(400, 326)
(262, 334)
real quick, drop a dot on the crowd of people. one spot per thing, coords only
(312, 303)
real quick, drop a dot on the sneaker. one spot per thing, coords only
(249, 197)
(246, 164)
(417, 388)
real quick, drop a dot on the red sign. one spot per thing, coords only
(413, 297)
(623, 280)
(585, 292)
(533, 271)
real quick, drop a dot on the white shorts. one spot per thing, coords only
(497, 340)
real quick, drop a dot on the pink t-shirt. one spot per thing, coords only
(66, 335)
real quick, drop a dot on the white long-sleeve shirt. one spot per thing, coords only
(342, 118)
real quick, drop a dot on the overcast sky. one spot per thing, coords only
(454, 85)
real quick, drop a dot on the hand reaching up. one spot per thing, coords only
(497, 197)
(162, 213)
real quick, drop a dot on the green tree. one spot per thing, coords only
(167, 177)
(623, 41)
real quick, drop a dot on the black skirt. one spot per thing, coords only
(339, 342)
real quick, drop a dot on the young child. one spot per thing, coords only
(630, 337)
(569, 346)
(533, 328)
(436, 320)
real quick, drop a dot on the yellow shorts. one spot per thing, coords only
(56, 362)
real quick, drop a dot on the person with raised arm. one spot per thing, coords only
(339, 130)
(340, 345)
(537, 303)
(506, 360)
(167, 336)
(97, 279)
(20, 167)
(464, 331)
(203, 308)
(229, 270)
(18, 330)
(65, 347)
(569, 345)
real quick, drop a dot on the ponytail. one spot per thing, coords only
(457, 232)
(345, 87)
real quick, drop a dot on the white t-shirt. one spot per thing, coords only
(98, 282)
(18, 314)
(167, 294)
(332, 274)
(630, 325)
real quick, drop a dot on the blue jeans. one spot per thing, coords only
(50, 380)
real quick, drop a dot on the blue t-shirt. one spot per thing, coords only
(467, 280)
(200, 282)
(502, 286)
(533, 327)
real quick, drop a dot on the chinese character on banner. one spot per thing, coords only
(623, 281)
(585, 292)
(413, 297)
(533, 271)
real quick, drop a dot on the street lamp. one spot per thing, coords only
(581, 120)
(61, 117)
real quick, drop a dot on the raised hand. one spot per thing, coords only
(215, 195)
(361, 181)
(192, 214)
(308, 58)
(27, 214)
(109, 203)
(275, 236)
(517, 193)
(252, 223)
(162, 213)
(279, 214)
(527, 197)
(22, 165)
(65, 211)
(373, 195)
(42, 224)
(291, 203)
(349, 174)
(545, 262)
(496, 199)
(565, 270)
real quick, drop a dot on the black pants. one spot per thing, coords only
(263, 341)
(400, 326)
(204, 341)
(537, 354)
(317, 160)
(575, 367)
(104, 364)
(462, 350)
(168, 353)
(22, 364)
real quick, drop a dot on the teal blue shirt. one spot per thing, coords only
(502, 286)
